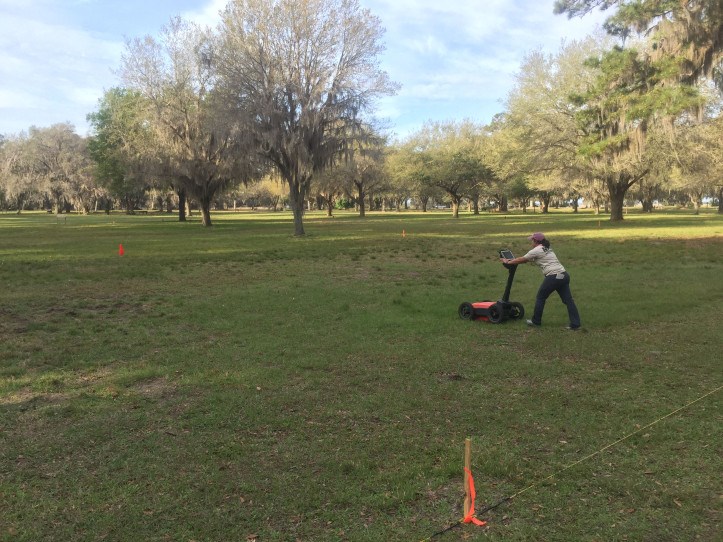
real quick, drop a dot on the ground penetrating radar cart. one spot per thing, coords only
(496, 312)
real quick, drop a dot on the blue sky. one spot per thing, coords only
(453, 59)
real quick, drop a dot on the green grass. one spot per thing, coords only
(237, 383)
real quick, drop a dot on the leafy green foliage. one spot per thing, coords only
(689, 32)
(120, 128)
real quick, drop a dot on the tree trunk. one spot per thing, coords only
(425, 201)
(720, 200)
(596, 204)
(618, 187)
(205, 212)
(205, 216)
(296, 200)
(575, 204)
(455, 206)
(181, 204)
(361, 200)
(617, 199)
(545, 202)
(504, 207)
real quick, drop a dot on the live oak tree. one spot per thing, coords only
(425, 146)
(49, 167)
(328, 185)
(267, 192)
(300, 75)
(697, 158)
(688, 32)
(356, 171)
(195, 141)
(404, 179)
(500, 152)
(518, 190)
(123, 146)
(406, 169)
(651, 83)
(614, 128)
(55, 163)
(450, 154)
(359, 168)
(16, 188)
(536, 140)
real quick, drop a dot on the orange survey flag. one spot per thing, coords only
(469, 518)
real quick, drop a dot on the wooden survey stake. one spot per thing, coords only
(467, 470)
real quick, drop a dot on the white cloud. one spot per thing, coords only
(453, 57)
(84, 96)
(461, 56)
(207, 15)
(53, 71)
(12, 99)
(427, 45)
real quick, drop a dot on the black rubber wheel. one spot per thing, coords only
(466, 311)
(517, 311)
(496, 313)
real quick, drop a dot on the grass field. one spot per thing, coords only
(239, 384)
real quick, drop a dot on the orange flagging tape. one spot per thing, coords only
(469, 518)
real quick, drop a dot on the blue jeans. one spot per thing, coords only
(561, 286)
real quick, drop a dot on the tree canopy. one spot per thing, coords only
(299, 75)
(286, 90)
(200, 147)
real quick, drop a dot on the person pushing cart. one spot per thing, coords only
(557, 279)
